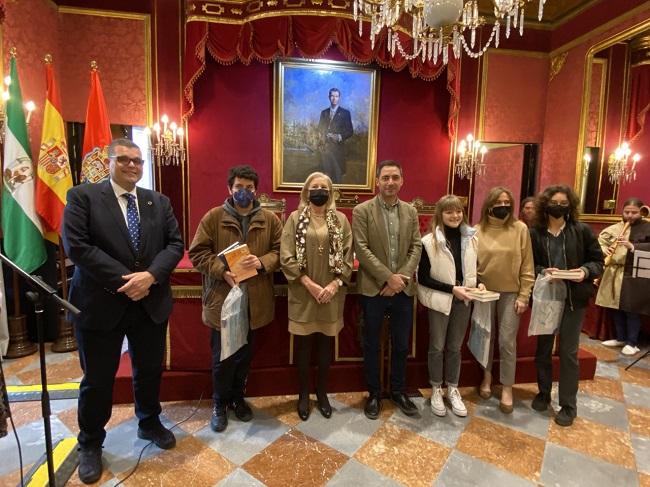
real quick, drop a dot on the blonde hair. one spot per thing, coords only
(304, 193)
(446, 203)
(490, 200)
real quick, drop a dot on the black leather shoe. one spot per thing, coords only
(541, 402)
(161, 436)
(324, 405)
(402, 401)
(565, 417)
(242, 410)
(90, 464)
(373, 407)
(303, 407)
(219, 419)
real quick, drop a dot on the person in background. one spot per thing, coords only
(316, 258)
(239, 219)
(505, 265)
(388, 245)
(446, 273)
(561, 242)
(527, 210)
(124, 242)
(618, 247)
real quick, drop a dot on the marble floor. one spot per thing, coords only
(609, 444)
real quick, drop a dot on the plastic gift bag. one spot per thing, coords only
(548, 306)
(234, 321)
(480, 333)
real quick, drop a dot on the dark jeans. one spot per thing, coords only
(229, 376)
(627, 325)
(400, 308)
(99, 354)
(569, 334)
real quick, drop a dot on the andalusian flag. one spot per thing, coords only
(54, 176)
(23, 238)
(97, 133)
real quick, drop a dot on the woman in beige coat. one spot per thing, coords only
(316, 258)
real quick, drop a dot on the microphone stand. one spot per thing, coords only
(41, 292)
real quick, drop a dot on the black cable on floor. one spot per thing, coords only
(137, 464)
(20, 451)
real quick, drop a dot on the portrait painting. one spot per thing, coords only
(325, 119)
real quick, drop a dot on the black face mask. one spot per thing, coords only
(501, 212)
(558, 211)
(318, 197)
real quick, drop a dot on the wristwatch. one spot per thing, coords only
(339, 282)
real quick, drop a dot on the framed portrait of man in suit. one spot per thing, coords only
(325, 119)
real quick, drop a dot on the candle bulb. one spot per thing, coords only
(164, 119)
(7, 80)
(180, 133)
(173, 128)
(30, 106)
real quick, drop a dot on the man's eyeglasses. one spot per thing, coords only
(126, 160)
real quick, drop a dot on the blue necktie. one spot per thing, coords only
(133, 221)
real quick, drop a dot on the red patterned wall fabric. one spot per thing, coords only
(267, 39)
(639, 101)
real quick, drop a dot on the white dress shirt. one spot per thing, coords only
(119, 191)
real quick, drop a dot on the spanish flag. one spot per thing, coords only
(54, 175)
(97, 133)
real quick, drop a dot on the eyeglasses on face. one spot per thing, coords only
(556, 203)
(126, 160)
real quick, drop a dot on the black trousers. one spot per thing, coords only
(569, 334)
(99, 354)
(400, 307)
(229, 376)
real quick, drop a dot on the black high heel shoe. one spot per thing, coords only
(324, 405)
(303, 407)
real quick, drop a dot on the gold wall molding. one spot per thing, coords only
(557, 63)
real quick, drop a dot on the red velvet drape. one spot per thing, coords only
(267, 39)
(639, 101)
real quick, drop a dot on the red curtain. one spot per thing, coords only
(267, 39)
(639, 101)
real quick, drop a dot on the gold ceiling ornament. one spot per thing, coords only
(435, 25)
(557, 63)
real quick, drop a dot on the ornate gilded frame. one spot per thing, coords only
(282, 182)
(584, 114)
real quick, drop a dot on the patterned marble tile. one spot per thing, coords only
(419, 460)
(241, 441)
(280, 407)
(239, 478)
(636, 395)
(609, 370)
(495, 443)
(25, 412)
(295, 459)
(639, 420)
(355, 473)
(190, 463)
(465, 471)
(602, 386)
(68, 371)
(445, 430)
(635, 375)
(641, 445)
(568, 468)
(644, 480)
(12, 366)
(603, 410)
(358, 400)
(602, 353)
(180, 410)
(346, 430)
(595, 440)
(119, 414)
(523, 417)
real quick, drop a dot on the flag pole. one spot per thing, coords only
(19, 343)
(66, 341)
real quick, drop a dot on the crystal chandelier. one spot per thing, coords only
(435, 25)
(621, 167)
(166, 145)
(471, 158)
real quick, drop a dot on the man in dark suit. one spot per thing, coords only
(334, 127)
(124, 242)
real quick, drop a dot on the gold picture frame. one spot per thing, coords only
(309, 136)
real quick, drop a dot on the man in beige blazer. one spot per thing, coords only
(387, 243)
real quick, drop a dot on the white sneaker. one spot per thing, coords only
(613, 343)
(437, 403)
(630, 350)
(457, 405)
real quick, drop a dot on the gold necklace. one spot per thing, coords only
(321, 243)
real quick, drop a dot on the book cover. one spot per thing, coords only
(232, 256)
(484, 296)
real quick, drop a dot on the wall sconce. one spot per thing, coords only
(622, 167)
(166, 143)
(471, 156)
